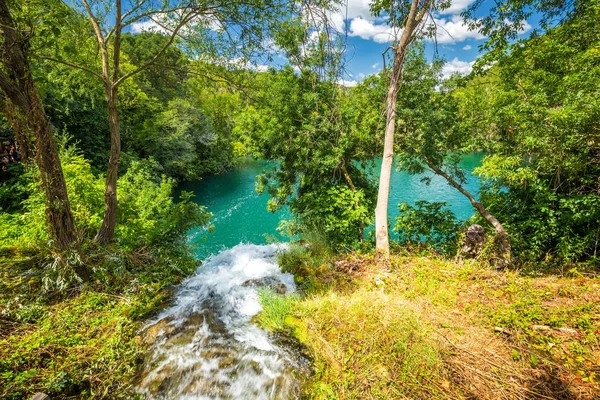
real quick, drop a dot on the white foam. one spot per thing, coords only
(226, 356)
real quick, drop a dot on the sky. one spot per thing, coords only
(368, 37)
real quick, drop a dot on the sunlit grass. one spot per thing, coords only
(424, 327)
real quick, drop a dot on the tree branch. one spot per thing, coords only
(152, 60)
(72, 65)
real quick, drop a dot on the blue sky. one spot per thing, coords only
(368, 37)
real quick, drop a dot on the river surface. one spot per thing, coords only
(205, 345)
(240, 214)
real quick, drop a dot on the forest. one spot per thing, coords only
(117, 114)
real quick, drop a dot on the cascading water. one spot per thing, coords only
(206, 347)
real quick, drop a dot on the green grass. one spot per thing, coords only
(81, 343)
(276, 308)
(425, 327)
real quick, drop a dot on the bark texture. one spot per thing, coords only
(413, 20)
(23, 108)
(501, 239)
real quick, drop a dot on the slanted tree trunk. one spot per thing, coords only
(415, 16)
(502, 240)
(25, 112)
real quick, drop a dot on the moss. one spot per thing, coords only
(82, 342)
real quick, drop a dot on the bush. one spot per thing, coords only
(337, 213)
(429, 224)
(147, 212)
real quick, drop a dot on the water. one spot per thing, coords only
(240, 214)
(205, 346)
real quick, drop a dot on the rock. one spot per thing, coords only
(473, 241)
(160, 328)
(273, 284)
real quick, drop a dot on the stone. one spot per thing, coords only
(273, 284)
(473, 241)
(160, 328)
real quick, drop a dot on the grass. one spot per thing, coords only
(425, 327)
(81, 343)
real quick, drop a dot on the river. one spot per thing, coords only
(240, 214)
(205, 345)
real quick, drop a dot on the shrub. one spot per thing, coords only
(430, 224)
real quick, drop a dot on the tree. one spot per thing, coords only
(430, 133)
(305, 124)
(541, 120)
(409, 16)
(23, 108)
(204, 26)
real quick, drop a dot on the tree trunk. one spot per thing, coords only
(382, 241)
(106, 231)
(28, 114)
(501, 239)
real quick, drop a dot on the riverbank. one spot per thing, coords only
(82, 343)
(432, 328)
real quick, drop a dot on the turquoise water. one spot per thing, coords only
(240, 215)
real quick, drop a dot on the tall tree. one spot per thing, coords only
(538, 109)
(23, 108)
(408, 17)
(206, 27)
(431, 135)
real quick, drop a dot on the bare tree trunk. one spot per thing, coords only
(502, 239)
(107, 229)
(382, 241)
(28, 115)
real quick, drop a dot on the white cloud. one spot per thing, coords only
(344, 82)
(369, 30)
(467, 47)
(457, 6)
(165, 23)
(361, 76)
(356, 9)
(454, 30)
(456, 67)
(375, 65)
(448, 30)
(147, 26)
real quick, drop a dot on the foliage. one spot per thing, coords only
(430, 224)
(71, 334)
(300, 121)
(84, 346)
(148, 213)
(307, 262)
(275, 308)
(540, 121)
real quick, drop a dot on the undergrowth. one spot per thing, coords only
(426, 327)
(68, 320)
(81, 342)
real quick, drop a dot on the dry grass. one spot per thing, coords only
(427, 328)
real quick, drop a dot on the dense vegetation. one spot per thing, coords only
(94, 106)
